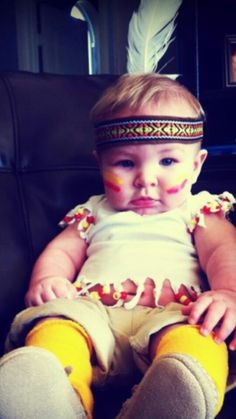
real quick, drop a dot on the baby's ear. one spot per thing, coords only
(198, 163)
(98, 159)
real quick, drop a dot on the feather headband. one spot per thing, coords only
(151, 129)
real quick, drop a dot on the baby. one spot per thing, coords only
(141, 277)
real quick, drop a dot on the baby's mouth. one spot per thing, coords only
(144, 202)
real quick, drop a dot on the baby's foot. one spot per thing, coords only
(33, 384)
(175, 386)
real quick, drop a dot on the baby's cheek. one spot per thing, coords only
(112, 182)
(177, 188)
(175, 184)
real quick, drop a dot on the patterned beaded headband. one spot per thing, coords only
(151, 129)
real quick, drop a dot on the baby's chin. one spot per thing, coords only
(159, 208)
(146, 210)
(149, 211)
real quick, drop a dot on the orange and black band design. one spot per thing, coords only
(144, 130)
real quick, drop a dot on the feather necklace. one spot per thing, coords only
(150, 34)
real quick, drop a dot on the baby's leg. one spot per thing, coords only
(69, 342)
(50, 341)
(186, 379)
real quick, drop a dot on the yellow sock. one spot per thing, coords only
(213, 357)
(69, 342)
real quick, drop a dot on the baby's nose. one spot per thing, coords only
(146, 178)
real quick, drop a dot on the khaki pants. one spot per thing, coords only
(120, 337)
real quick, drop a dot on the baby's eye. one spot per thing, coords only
(125, 163)
(167, 161)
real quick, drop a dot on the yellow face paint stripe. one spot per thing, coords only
(112, 178)
(112, 181)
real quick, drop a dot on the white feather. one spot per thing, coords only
(150, 34)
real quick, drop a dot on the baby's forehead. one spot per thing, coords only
(152, 148)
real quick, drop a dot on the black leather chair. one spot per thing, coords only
(46, 167)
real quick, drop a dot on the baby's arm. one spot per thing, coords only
(56, 267)
(216, 309)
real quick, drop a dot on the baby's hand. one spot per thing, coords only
(49, 289)
(215, 310)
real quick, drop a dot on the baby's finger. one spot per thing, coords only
(71, 291)
(215, 313)
(60, 291)
(48, 294)
(33, 300)
(198, 308)
(186, 310)
(227, 326)
(232, 345)
(65, 290)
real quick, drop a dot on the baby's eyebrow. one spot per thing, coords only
(171, 150)
(124, 154)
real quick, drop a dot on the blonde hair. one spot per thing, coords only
(135, 91)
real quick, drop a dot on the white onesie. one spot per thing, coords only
(126, 245)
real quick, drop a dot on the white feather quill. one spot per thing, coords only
(150, 34)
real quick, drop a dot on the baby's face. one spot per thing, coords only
(152, 178)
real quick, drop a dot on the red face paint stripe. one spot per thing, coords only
(112, 186)
(177, 188)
